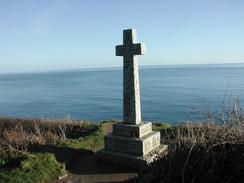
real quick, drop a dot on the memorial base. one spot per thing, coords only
(124, 159)
(132, 145)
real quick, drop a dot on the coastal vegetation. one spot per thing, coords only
(199, 153)
(38, 150)
(28, 148)
(209, 151)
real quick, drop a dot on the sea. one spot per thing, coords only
(171, 94)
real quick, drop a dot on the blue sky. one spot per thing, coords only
(40, 35)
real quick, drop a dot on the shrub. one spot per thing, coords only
(17, 134)
(199, 153)
(33, 168)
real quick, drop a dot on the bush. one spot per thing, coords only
(33, 168)
(199, 153)
(17, 134)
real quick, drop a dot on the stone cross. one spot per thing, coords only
(132, 143)
(131, 87)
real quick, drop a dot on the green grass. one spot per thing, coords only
(94, 141)
(42, 167)
(161, 126)
(33, 168)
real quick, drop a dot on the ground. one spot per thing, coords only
(93, 171)
(47, 161)
(43, 151)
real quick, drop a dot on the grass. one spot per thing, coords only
(199, 153)
(32, 168)
(210, 152)
(204, 153)
(94, 141)
(17, 164)
(18, 136)
(161, 126)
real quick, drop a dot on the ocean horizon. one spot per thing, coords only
(121, 67)
(169, 93)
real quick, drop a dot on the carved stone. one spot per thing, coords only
(132, 131)
(133, 146)
(132, 143)
(131, 89)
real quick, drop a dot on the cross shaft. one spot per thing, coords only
(131, 88)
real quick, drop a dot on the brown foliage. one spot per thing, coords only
(17, 134)
(199, 153)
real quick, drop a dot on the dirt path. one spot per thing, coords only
(86, 169)
(83, 168)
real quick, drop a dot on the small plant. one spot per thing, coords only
(34, 168)
(2, 162)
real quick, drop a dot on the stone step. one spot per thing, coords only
(133, 146)
(132, 131)
(108, 156)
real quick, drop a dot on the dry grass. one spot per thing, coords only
(203, 153)
(17, 134)
(199, 153)
(209, 152)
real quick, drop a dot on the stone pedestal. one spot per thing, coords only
(131, 145)
(129, 130)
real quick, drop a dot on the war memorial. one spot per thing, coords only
(132, 141)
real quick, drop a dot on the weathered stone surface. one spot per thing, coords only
(132, 142)
(131, 89)
(128, 160)
(131, 131)
(145, 129)
(133, 146)
(151, 142)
